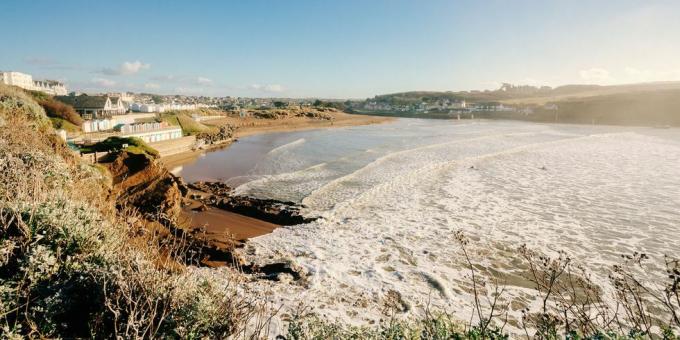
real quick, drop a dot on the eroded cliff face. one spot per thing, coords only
(140, 181)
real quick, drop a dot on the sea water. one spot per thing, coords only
(392, 196)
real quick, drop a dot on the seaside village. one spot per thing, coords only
(113, 114)
(125, 115)
(149, 116)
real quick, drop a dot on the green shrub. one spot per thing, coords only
(169, 118)
(430, 326)
(112, 144)
(190, 126)
(38, 95)
(15, 101)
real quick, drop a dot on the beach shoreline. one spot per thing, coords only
(222, 225)
(253, 126)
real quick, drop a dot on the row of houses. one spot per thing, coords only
(451, 107)
(440, 105)
(152, 132)
(113, 122)
(25, 81)
(140, 107)
(127, 126)
(143, 127)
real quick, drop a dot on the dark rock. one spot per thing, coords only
(201, 207)
(181, 185)
(214, 188)
(223, 133)
(221, 196)
(273, 270)
(283, 213)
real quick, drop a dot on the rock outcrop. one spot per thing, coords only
(220, 195)
(223, 133)
(139, 181)
(282, 113)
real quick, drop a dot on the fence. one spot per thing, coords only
(93, 157)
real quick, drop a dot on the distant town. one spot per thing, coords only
(147, 116)
(167, 122)
(96, 106)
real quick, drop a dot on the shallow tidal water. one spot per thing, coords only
(391, 197)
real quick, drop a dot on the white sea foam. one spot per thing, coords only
(292, 144)
(176, 170)
(390, 213)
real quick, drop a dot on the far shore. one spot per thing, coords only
(253, 126)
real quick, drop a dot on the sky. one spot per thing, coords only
(338, 49)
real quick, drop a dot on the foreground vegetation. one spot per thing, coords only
(74, 264)
(570, 306)
(63, 116)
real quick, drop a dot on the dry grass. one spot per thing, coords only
(72, 265)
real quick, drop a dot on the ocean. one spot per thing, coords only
(391, 198)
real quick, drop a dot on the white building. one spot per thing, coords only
(51, 87)
(126, 97)
(25, 81)
(107, 124)
(153, 135)
(138, 107)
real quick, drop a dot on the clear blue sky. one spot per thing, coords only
(340, 49)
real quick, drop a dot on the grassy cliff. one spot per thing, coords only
(72, 264)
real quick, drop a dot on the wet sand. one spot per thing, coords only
(221, 226)
(253, 126)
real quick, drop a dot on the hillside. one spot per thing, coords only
(78, 260)
(648, 104)
(643, 108)
(581, 91)
(523, 94)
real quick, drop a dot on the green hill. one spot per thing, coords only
(646, 104)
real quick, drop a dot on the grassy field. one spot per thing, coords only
(60, 123)
(189, 126)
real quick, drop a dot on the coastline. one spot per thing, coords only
(253, 126)
(222, 226)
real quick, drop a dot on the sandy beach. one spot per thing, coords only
(221, 225)
(251, 126)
